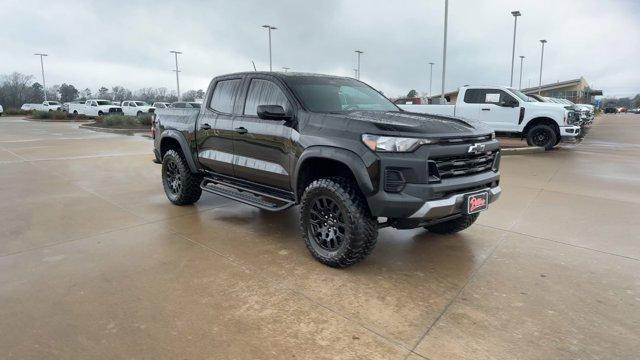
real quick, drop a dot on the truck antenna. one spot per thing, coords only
(254, 66)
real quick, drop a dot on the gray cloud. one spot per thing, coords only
(109, 43)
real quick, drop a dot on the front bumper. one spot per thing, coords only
(569, 131)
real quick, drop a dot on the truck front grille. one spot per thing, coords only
(465, 164)
(115, 110)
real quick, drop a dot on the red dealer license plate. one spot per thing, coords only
(477, 202)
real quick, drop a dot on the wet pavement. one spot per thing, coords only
(96, 263)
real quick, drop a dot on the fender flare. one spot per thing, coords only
(184, 145)
(346, 157)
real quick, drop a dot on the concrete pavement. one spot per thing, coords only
(96, 263)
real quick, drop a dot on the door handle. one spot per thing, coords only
(241, 130)
(486, 109)
(205, 126)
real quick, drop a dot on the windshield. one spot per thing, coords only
(522, 96)
(331, 95)
(54, 103)
(104, 102)
(141, 103)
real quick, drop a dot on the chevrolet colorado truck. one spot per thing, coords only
(350, 158)
(508, 110)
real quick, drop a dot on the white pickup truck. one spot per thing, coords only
(508, 110)
(45, 106)
(136, 108)
(94, 108)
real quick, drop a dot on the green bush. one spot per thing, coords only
(14, 111)
(124, 122)
(57, 115)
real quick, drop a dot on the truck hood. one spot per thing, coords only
(397, 123)
(546, 106)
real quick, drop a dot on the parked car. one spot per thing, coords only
(44, 106)
(622, 109)
(610, 110)
(508, 110)
(186, 105)
(634, 111)
(161, 105)
(95, 107)
(1, 110)
(136, 108)
(337, 147)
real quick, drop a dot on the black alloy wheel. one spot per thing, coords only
(328, 228)
(173, 179)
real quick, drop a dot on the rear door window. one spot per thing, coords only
(264, 92)
(224, 95)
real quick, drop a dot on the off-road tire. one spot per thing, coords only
(360, 227)
(542, 136)
(453, 226)
(139, 113)
(189, 190)
(100, 113)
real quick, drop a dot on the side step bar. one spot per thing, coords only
(247, 195)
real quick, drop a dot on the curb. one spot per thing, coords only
(114, 130)
(59, 120)
(521, 150)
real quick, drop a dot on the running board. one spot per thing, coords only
(246, 195)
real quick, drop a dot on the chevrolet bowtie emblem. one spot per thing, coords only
(476, 148)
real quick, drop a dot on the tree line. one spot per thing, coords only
(17, 89)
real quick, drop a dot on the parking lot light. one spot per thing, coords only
(44, 85)
(269, 28)
(359, 52)
(513, 50)
(177, 71)
(444, 49)
(285, 68)
(430, 79)
(541, 60)
(520, 83)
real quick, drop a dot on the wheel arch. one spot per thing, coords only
(171, 139)
(325, 161)
(542, 120)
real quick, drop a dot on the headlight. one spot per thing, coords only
(393, 144)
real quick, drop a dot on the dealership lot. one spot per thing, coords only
(95, 262)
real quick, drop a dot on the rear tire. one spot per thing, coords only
(139, 113)
(181, 186)
(75, 112)
(336, 223)
(453, 226)
(543, 136)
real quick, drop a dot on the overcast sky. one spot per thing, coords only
(127, 43)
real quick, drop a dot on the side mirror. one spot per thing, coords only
(509, 103)
(272, 112)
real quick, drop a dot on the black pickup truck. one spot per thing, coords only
(351, 158)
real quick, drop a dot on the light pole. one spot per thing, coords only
(359, 52)
(355, 73)
(269, 28)
(541, 59)
(513, 50)
(520, 83)
(44, 85)
(285, 68)
(444, 49)
(430, 79)
(177, 71)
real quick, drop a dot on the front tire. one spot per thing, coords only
(543, 136)
(453, 226)
(139, 113)
(181, 186)
(336, 224)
